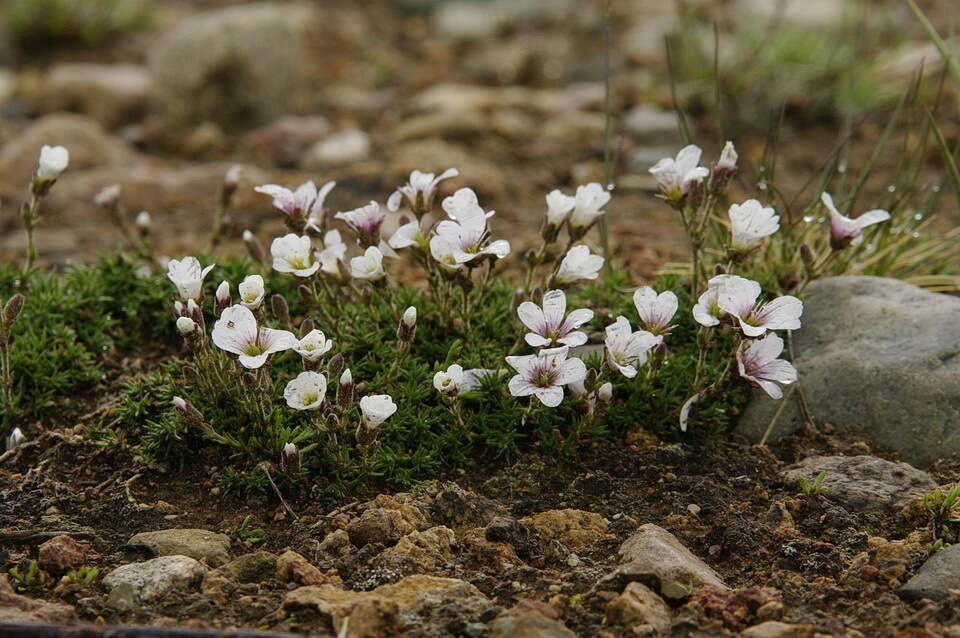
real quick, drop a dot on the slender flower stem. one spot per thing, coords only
(31, 217)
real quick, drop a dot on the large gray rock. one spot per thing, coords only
(657, 558)
(862, 483)
(200, 544)
(878, 354)
(939, 574)
(155, 578)
(230, 65)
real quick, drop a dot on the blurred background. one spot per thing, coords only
(162, 97)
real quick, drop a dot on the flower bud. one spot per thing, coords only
(254, 247)
(333, 422)
(808, 256)
(728, 160)
(345, 390)
(195, 312)
(409, 318)
(16, 439)
(108, 196)
(12, 310)
(143, 222)
(407, 327)
(605, 393)
(306, 326)
(518, 297)
(290, 459)
(178, 309)
(231, 180)
(280, 309)
(335, 366)
(191, 416)
(222, 297)
(186, 326)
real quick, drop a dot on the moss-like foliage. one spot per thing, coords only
(76, 322)
(38, 24)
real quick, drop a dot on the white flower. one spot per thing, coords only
(544, 374)
(728, 158)
(313, 345)
(237, 332)
(376, 408)
(317, 209)
(624, 349)
(305, 203)
(578, 264)
(758, 363)
(307, 391)
(410, 234)
(443, 250)
(294, 254)
(468, 238)
(187, 275)
(845, 231)
(369, 265)
(365, 220)
(655, 310)
(551, 323)
(419, 191)
(180, 403)
(456, 380)
(186, 326)
(53, 161)
(334, 251)
(738, 297)
(707, 311)
(750, 222)
(559, 207)
(15, 439)
(676, 176)
(588, 204)
(346, 377)
(463, 205)
(252, 291)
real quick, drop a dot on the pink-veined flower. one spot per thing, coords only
(469, 238)
(306, 391)
(707, 311)
(455, 380)
(845, 231)
(294, 254)
(544, 374)
(738, 297)
(656, 311)
(365, 221)
(419, 191)
(187, 275)
(675, 176)
(237, 332)
(305, 204)
(750, 223)
(758, 361)
(559, 207)
(579, 264)
(588, 205)
(625, 349)
(550, 323)
(463, 205)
